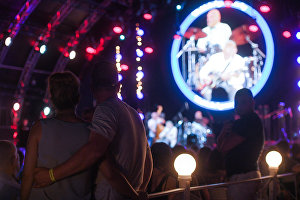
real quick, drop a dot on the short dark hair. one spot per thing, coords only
(104, 74)
(243, 92)
(64, 90)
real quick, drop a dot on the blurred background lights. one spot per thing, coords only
(299, 83)
(264, 8)
(253, 28)
(72, 55)
(148, 50)
(185, 164)
(298, 35)
(286, 34)
(47, 110)
(120, 77)
(140, 75)
(91, 50)
(298, 59)
(140, 32)
(16, 106)
(122, 37)
(178, 7)
(147, 16)
(117, 29)
(142, 116)
(139, 95)
(7, 41)
(139, 53)
(124, 67)
(118, 56)
(43, 49)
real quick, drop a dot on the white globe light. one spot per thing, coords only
(47, 110)
(273, 159)
(185, 164)
(7, 41)
(72, 55)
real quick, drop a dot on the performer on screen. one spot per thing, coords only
(218, 33)
(223, 70)
(155, 124)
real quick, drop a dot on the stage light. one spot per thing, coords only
(178, 7)
(139, 53)
(16, 106)
(298, 35)
(72, 55)
(122, 37)
(139, 95)
(299, 83)
(47, 110)
(298, 59)
(124, 67)
(253, 28)
(43, 49)
(36, 48)
(120, 77)
(286, 34)
(139, 43)
(147, 16)
(117, 29)
(140, 32)
(228, 3)
(7, 41)
(299, 108)
(177, 37)
(91, 50)
(185, 164)
(140, 75)
(142, 116)
(148, 50)
(264, 8)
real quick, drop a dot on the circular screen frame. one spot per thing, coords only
(227, 105)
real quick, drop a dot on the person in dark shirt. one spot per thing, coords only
(241, 142)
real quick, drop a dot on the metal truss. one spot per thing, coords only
(16, 25)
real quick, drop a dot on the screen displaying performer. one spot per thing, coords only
(225, 70)
(223, 57)
(218, 33)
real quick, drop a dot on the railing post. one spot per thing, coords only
(272, 190)
(296, 186)
(185, 183)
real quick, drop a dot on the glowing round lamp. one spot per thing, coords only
(185, 165)
(273, 159)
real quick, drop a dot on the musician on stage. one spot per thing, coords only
(155, 124)
(200, 128)
(218, 33)
(169, 134)
(223, 70)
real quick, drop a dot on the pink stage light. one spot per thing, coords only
(147, 16)
(15, 135)
(253, 28)
(91, 50)
(148, 50)
(177, 37)
(264, 9)
(286, 34)
(228, 3)
(117, 29)
(124, 67)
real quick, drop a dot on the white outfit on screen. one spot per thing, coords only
(217, 35)
(123, 127)
(233, 66)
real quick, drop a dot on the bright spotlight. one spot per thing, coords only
(286, 34)
(185, 164)
(298, 59)
(147, 16)
(148, 50)
(299, 83)
(273, 159)
(7, 41)
(298, 35)
(47, 110)
(140, 32)
(43, 49)
(117, 29)
(16, 106)
(264, 8)
(139, 53)
(72, 55)
(299, 108)
(253, 28)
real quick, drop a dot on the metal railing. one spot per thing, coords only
(271, 183)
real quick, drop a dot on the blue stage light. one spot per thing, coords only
(120, 77)
(139, 95)
(139, 53)
(298, 35)
(298, 59)
(140, 32)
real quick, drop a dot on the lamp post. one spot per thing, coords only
(185, 165)
(273, 159)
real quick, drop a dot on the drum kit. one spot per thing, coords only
(193, 59)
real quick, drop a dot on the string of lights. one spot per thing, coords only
(139, 54)
(118, 65)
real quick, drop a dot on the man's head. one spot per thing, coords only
(9, 159)
(230, 49)
(104, 79)
(213, 17)
(244, 102)
(198, 115)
